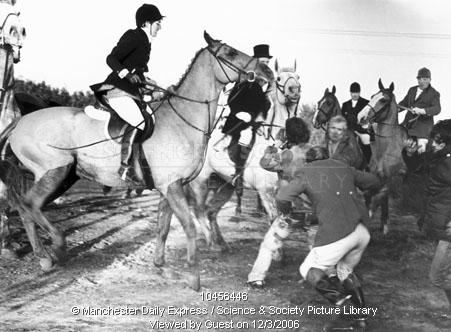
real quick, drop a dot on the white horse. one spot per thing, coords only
(12, 35)
(285, 98)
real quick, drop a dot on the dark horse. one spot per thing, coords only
(386, 161)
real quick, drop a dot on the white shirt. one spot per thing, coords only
(353, 102)
(419, 91)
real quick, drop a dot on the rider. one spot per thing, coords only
(261, 52)
(350, 109)
(285, 162)
(424, 102)
(248, 105)
(128, 60)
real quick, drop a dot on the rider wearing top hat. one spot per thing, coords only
(424, 102)
(128, 61)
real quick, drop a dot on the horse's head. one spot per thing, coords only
(12, 32)
(232, 65)
(377, 108)
(287, 83)
(327, 107)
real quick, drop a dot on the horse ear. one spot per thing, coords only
(334, 89)
(327, 91)
(381, 86)
(276, 66)
(208, 38)
(294, 68)
(391, 87)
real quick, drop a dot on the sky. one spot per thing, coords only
(334, 42)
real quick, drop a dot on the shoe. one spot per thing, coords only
(257, 284)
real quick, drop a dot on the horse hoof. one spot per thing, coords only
(194, 281)
(59, 253)
(46, 264)
(201, 242)
(158, 262)
(8, 253)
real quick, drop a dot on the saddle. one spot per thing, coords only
(115, 127)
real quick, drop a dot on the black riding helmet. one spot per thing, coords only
(147, 13)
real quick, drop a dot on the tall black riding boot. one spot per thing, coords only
(353, 287)
(332, 291)
(366, 150)
(126, 171)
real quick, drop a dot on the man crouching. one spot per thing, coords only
(341, 238)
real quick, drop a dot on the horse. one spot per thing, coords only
(285, 98)
(56, 145)
(390, 139)
(328, 107)
(12, 35)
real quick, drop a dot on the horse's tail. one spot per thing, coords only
(10, 173)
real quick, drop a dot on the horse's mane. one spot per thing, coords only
(185, 74)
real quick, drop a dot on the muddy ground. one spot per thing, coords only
(109, 265)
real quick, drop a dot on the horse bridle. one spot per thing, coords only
(320, 110)
(222, 62)
(282, 88)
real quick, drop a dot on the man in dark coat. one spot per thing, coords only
(350, 109)
(435, 166)
(128, 61)
(248, 106)
(342, 237)
(424, 102)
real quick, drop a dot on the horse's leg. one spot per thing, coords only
(179, 204)
(164, 222)
(53, 181)
(237, 216)
(198, 192)
(260, 207)
(127, 194)
(221, 196)
(6, 250)
(268, 201)
(384, 214)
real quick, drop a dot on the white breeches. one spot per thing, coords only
(345, 254)
(364, 138)
(128, 110)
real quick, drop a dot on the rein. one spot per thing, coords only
(171, 93)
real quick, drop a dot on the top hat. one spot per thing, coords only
(424, 72)
(262, 51)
